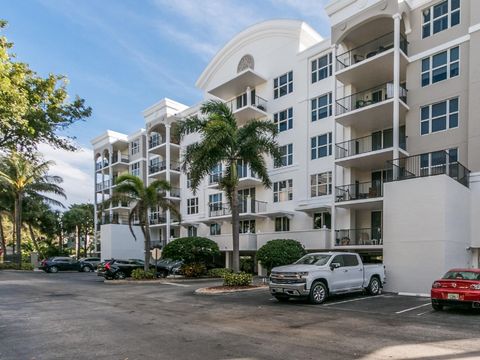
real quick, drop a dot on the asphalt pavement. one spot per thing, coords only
(77, 316)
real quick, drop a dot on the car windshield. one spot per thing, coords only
(314, 259)
(462, 275)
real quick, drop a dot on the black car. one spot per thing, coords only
(118, 268)
(56, 264)
(89, 264)
(167, 267)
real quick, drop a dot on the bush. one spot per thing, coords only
(140, 274)
(279, 252)
(219, 272)
(192, 250)
(193, 270)
(27, 266)
(247, 264)
(13, 266)
(238, 279)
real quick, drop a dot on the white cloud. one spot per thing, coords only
(76, 169)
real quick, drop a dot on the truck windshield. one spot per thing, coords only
(313, 259)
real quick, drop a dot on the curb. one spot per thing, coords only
(203, 291)
(132, 282)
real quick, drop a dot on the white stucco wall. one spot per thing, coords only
(426, 231)
(118, 242)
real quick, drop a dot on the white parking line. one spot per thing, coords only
(413, 308)
(351, 300)
(175, 284)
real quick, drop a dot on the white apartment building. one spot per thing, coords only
(379, 130)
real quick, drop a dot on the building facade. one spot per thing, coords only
(366, 120)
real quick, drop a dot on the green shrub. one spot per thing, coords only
(27, 266)
(140, 274)
(192, 250)
(8, 266)
(247, 264)
(193, 270)
(219, 272)
(238, 279)
(279, 252)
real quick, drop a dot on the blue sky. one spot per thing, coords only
(124, 55)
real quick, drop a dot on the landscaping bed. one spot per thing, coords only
(213, 290)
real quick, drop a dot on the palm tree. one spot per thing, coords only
(27, 176)
(223, 141)
(131, 189)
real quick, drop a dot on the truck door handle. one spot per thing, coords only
(360, 269)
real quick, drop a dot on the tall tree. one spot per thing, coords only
(223, 141)
(21, 177)
(6, 210)
(131, 189)
(79, 220)
(32, 108)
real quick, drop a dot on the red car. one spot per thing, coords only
(457, 287)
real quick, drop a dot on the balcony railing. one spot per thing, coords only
(368, 97)
(242, 101)
(154, 141)
(243, 173)
(358, 237)
(103, 185)
(364, 145)
(122, 159)
(359, 191)
(98, 166)
(370, 49)
(174, 192)
(162, 165)
(161, 218)
(429, 164)
(246, 206)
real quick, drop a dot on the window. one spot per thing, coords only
(441, 66)
(323, 219)
(282, 223)
(135, 147)
(321, 184)
(189, 181)
(286, 155)
(435, 163)
(247, 226)
(438, 117)
(322, 107)
(321, 68)
(216, 174)
(284, 119)
(283, 190)
(440, 17)
(191, 231)
(283, 85)
(192, 206)
(215, 229)
(135, 169)
(350, 260)
(321, 146)
(215, 203)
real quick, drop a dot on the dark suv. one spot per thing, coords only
(56, 264)
(89, 264)
(119, 269)
(167, 267)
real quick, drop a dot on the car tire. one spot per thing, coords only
(374, 286)
(437, 307)
(120, 275)
(53, 269)
(318, 293)
(281, 298)
(86, 268)
(163, 274)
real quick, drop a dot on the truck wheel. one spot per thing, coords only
(374, 286)
(318, 293)
(281, 298)
(437, 307)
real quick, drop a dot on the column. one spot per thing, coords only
(110, 176)
(249, 97)
(95, 216)
(334, 138)
(396, 92)
(168, 164)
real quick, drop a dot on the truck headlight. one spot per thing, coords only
(302, 275)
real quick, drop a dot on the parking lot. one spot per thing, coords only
(76, 315)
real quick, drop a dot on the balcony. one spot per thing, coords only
(162, 166)
(122, 160)
(246, 178)
(238, 84)
(246, 107)
(248, 242)
(102, 185)
(246, 207)
(372, 62)
(429, 164)
(367, 193)
(161, 219)
(359, 237)
(368, 152)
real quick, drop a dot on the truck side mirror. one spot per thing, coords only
(334, 266)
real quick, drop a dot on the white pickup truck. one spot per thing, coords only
(317, 275)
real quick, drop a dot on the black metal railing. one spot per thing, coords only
(122, 159)
(154, 141)
(241, 101)
(370, 49)
(162, 165)
(161, 218)
(429, 164)
(358, 237)
(102, 185)
(368, 97)
(245, 206)
(366, 144)
(359, 191)
(98, 165)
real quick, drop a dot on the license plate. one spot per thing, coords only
(453, 296)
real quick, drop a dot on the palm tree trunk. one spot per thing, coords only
(2, 238)
(85, 243)
(146, 234)
(235, 230)
(35, 243)
(77, 241)
(60, 241)
(18, 228)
